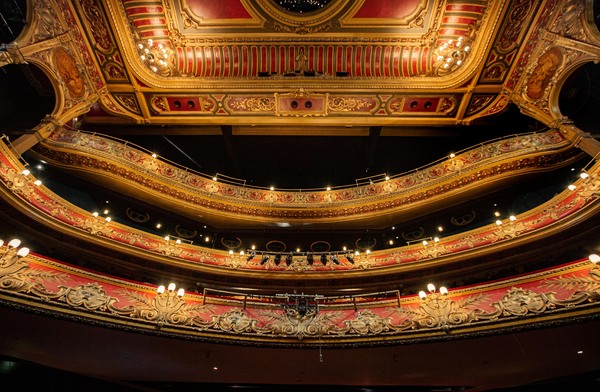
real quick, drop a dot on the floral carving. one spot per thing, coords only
(350, 104)
(254, 104)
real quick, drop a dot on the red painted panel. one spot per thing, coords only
(311, 55)
(235, 61)
(425, 64)
(227, 61)
(218, 60)
(416, 105)
(367, 61)
(183, 104)
(378, 62)
(414, 61)
(282, 64)
(150, 22)
(453, 32)
(458, 20)
(397, 55)
(386, 8)
(405, 59)
(386, 62)
(247, 63)
(465, 8)
(220, 9)
(339, 59)
(144, 10)
(320, 60)
(328, 61)
(349, 67)
(273, 52)
(191, 55)
(208, 61)
(262, 58)
(358, 71)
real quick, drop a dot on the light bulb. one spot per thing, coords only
(180, 292)
(171, 287)
(422, 294)
(14, 243)
(443, 290)
(431, 287)
(160, 289)
(23, 252)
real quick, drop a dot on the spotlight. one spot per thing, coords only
(277, 259)
(323, 259)
(251, 256)
(265, 258)
(288, 258)
(335, 259)
(350, 258)
(310, 259)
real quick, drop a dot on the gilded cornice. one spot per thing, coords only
(552, 217)
(35, 283)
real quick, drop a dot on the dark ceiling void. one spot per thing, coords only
(308, 162)
(579, 98)
(12, 19)
(26, 97)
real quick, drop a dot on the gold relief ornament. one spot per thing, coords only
(238, 260)
(300, 318)
(520, 302)
(91, 296)
(437, 310)
(589, 185)
(167, 307)
(16, 274)
(97, 225)
(170, 247)
(19, 182)
(510, 229)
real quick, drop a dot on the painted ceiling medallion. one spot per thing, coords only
(302, 6)
(303, 16)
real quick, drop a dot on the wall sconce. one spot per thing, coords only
(12, 255)
(170, 289)
(432, 293)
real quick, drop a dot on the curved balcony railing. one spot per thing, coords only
(36, 283)
(581, 196)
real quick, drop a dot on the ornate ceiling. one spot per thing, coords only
(130, 75)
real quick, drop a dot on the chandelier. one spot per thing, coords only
(451, 55)
(155, 56)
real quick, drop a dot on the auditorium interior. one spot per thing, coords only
(302, 195)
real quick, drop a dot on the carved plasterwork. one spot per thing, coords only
(257, 104)
(525, 300)
(47, 24)
(128, 101)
